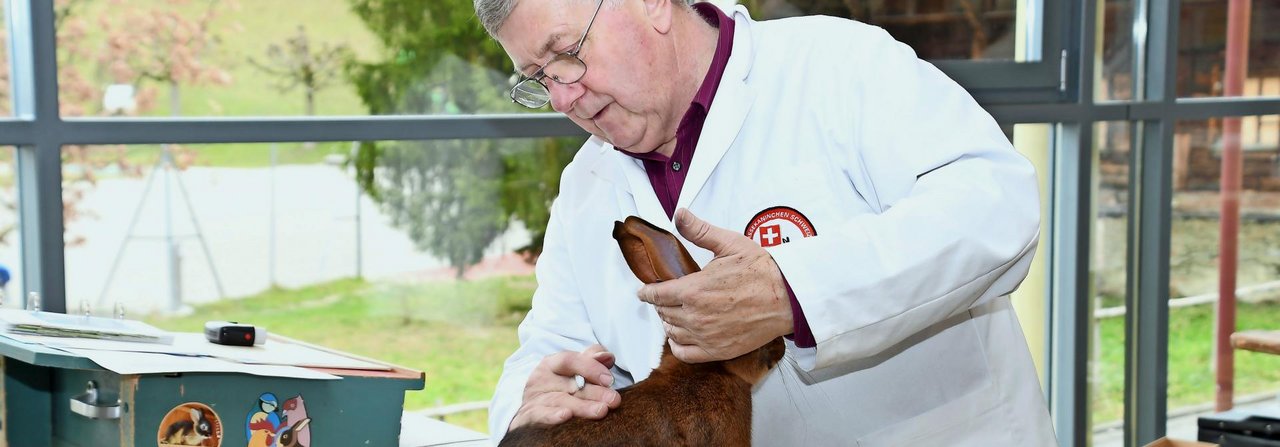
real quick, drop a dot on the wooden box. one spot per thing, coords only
(53, 398)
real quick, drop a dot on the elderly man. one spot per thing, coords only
(837, 189)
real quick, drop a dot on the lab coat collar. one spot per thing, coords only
(627, 175)
(728, 111)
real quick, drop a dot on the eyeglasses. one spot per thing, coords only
(565, 68)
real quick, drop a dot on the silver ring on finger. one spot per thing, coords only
(579, 383)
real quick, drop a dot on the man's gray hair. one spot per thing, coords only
(493, 13)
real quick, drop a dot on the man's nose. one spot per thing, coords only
(563, 95)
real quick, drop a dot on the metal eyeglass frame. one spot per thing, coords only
(539, 75)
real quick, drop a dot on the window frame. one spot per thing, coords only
(1054, 89)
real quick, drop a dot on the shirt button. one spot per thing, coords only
(675, 166)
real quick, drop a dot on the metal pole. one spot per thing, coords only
(355, 146)
(271, 220)
(171, 245)
(1229, 225)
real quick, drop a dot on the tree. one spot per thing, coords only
(295, 65)
(160, 45)
(454, 197)
(4, 72)
(76, 95)
(531, 182)
(164, 46)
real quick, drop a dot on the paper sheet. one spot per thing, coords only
(274, 352)
(80, 327)
(122, 362)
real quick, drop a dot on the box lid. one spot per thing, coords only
(41, 355)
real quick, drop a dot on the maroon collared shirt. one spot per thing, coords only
(667, 174)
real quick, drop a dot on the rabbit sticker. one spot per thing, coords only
(295, 412)
(190, 424)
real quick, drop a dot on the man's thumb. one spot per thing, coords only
(703, 234)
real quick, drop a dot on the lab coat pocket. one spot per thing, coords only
(971, 420)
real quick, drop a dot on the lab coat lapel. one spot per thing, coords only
(647, 204)
(629, 179)
(627, 174)
(729, 110)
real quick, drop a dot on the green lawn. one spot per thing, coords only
(1191, 380)
(459, 334)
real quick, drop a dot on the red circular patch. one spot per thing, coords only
(777, 225)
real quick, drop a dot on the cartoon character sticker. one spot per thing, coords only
(294, 410)
(190, 424)
(269, 424)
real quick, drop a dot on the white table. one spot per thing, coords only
(417, 430)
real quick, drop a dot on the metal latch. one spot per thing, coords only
(87, 404)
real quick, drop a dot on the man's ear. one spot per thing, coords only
(659, 13)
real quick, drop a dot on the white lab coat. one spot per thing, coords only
(925, 219)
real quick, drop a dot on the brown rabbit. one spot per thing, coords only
(680, 404)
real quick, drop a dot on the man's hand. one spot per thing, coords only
(737, 303)
(552, 396)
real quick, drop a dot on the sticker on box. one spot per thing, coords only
(271, 425)
(190, 424)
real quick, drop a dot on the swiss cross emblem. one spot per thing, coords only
(778, 225)
(771, 235)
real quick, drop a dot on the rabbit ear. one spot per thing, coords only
(195, 414)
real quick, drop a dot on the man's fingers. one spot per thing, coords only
(555, 408)
(703, 234)
(581, 364)
(539, 415)
(673, 315)
(666, 293)
(598, 352)
(605, 358)
(548, 415)
(679, 334)
(583, 408)
(690, 353)
(600, 394)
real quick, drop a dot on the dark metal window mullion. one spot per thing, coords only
(1147, 282)
(1071, 307)
(39, 162)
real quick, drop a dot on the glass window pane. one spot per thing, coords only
(298, 248)
(1114, 52)
(281, 57)
(10, 236)
(1108, 266)
(1031, 300)
(936, 29)
(1202, 49)
(1195, 259)
(6, 102)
